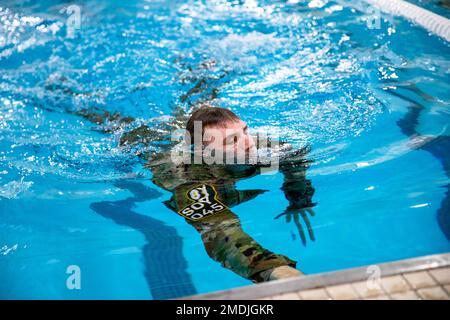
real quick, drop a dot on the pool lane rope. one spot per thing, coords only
(432, 22)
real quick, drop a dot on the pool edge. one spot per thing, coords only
(346, 276)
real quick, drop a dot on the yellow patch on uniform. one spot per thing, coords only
(204, 203)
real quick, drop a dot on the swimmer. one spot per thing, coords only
(204, 194)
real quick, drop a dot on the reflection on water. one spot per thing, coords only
(165, 266)
(438, 146)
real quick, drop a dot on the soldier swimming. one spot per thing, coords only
(204, 194)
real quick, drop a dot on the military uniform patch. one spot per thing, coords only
(204, 203)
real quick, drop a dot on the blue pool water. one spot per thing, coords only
(312, 71)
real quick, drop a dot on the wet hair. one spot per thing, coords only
(209, 117)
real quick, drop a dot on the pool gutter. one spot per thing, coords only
(280, 287)
(432, 22)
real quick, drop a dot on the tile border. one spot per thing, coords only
(278, 287)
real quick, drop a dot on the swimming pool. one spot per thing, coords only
(364, 99)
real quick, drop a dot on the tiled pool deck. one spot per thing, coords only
(419, 278)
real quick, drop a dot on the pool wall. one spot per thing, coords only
(425, 277)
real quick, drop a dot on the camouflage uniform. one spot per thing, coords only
(204, 194)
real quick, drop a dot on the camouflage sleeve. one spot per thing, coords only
(297, 189)
(103, 117)
(221, 231)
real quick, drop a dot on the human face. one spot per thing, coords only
(230, 138)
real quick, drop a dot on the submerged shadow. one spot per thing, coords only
(164, 263)
(438, 146)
